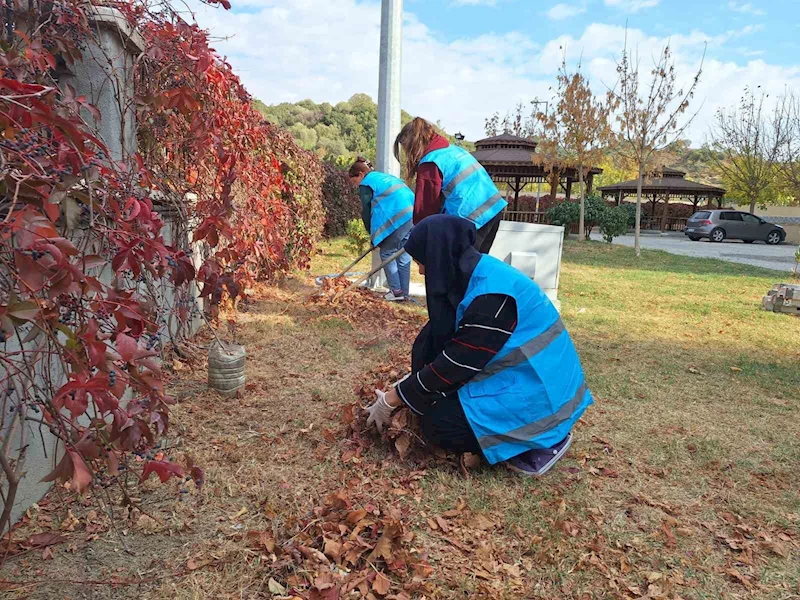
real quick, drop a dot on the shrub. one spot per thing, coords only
(594, 209)
(564, 214)
(614, 222)
(569, 213)
(357, 236)
(630, 210)
(340, 201)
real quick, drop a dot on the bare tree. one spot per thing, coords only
(648, 115)
(577, 130)
(750, 141)
(515, 122)
(789, 160)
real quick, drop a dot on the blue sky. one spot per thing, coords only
(775, 37)
(465, 59)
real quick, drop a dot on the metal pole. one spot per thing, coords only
(388, 99)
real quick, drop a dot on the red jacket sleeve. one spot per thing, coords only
(427, 196)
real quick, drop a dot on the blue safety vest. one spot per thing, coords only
(392, 205)
(533, 391)
(468, 190)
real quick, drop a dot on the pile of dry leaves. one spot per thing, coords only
(349, 545)
(362, 308)
(403, 433)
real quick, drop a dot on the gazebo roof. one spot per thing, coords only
(666, 181)
(516, 155)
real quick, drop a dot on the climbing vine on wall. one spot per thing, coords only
(83, 252)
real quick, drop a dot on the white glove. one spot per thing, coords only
(380, 413)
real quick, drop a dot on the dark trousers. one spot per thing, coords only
(443, 421)
(487, 233)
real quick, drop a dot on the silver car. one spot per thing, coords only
(719, 225)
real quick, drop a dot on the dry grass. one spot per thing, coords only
(682, 482)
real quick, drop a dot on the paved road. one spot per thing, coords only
(779, 258)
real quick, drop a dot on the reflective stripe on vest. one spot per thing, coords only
(531, 430)
(523, 353)
(534, 390)
(393, 224)
(392, 204)
(468, 190)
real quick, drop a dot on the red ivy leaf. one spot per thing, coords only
(126, 347)
(163, 469)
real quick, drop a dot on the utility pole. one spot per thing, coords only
(388, 98)
(536, 103)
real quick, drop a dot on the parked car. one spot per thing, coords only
(719, 225)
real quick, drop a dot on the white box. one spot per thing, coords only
(533, 249)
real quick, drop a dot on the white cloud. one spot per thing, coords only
(745, 8)
(565, 11)
(318, 50)
(632, 6)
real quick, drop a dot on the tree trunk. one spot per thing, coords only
(665, 214)
(753, 201)
(582, 220)
(638, 231)
(554, 177)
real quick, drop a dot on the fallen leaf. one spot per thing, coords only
(669, 537)
(333, 549)
(42, 540)
(737, 576)
(776, 548)
(653, 576)
(470, 460)
(402, 444)
(47, 554)
(381, 585)
(355, 516)
(481, 522)
(457, 544)
(695, 371)
(275, 588)
(736, 369)
(241, 513)
(443, 524)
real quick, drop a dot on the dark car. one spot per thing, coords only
(719, 225)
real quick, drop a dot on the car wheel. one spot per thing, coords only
(774, 237)
(748, 241)
(717, 235)
(694, 239)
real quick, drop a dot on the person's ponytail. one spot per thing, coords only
(413, 139)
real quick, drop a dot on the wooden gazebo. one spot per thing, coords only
(513, 160)
(666, 183)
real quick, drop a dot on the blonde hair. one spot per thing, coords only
(414, 138)
(362, 165)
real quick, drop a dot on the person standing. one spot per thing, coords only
(449, 180)
(387, 206)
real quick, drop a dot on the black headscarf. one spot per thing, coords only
(444, 245)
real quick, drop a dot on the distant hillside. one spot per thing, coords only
(336, 133)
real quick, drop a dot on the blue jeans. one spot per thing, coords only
(398, 272)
